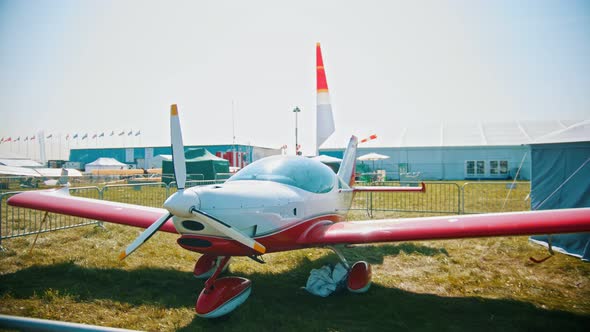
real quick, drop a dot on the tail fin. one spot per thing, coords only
(324, 116)
(348, 165)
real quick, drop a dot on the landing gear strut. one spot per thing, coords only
(221, 296)
(206, 266)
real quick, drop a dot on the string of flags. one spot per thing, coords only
(69, 136)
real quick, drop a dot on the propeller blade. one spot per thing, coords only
(144, 236)
(177, 148)
(229, 231)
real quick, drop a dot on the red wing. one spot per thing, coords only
(450, 227)
(60, 201)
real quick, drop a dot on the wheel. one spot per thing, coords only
(359, 277)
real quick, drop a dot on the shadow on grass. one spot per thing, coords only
(278, 303)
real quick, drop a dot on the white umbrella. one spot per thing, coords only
(372, 156)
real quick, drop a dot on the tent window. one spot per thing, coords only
(481, 170)
(498, 167)
(503, 167)
(493, 167)
(470, 167)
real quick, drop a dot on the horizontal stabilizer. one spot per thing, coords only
(422, 189)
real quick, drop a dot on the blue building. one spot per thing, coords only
(459, 152)
(141, 157)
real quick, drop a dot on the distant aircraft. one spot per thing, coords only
(282, 203)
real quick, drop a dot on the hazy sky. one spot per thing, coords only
(96, 66)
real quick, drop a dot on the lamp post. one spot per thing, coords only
(296, 110)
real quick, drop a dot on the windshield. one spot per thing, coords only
(307, 174)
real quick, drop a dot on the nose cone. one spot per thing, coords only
(182, 203)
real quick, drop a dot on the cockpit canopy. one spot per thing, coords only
(304, 173)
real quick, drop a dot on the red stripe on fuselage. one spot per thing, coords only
(287, 239)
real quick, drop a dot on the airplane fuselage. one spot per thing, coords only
(258, 205)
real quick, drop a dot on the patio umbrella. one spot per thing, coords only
(372, 156)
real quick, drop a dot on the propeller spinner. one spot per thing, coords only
(184, 203)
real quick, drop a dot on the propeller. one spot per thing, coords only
(144, 236)
(229, 231)
(177, 148)
(180, 175)
(183, 203)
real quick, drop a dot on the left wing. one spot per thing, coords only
(60, 201)
(450, 227)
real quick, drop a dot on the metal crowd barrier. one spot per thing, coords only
(15, 221)
(440, 198)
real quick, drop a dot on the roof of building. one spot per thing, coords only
(473, 134)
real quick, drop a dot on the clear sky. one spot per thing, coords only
(95, 66)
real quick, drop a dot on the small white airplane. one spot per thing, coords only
(283, 203)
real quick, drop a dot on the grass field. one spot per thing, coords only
(459, 285)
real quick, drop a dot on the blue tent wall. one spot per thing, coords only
(551, 166)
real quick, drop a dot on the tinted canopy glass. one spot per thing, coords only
(304, 173)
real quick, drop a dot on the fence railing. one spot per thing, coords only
(15, 221)
(439, 198)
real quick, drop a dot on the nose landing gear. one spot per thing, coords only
(206, 266)
(221, 296)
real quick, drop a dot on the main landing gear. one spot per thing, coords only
(223, 295)
(359, 275)
(219, 296)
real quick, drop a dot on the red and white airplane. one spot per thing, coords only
(282, 203)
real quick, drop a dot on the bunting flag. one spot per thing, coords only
(122, 133)
(18, 139)
(2, 140)
(130, 133)
(75, 136)
(26, 138)
(9, 139)
(94, 136)
(32, 138)
(67, 137)
(138, 133)
(112, 133)
(101, 134)
(50, 136)
(370, 138)
(85, 136)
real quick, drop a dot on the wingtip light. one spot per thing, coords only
(122, 255)
(173, 110)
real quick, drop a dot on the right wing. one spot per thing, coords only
(60, 201)
(449, 227)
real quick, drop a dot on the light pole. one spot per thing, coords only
(296, 110)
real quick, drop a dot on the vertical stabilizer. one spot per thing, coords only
(324, 116)
(348, 164)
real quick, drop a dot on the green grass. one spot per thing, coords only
(459, 285)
